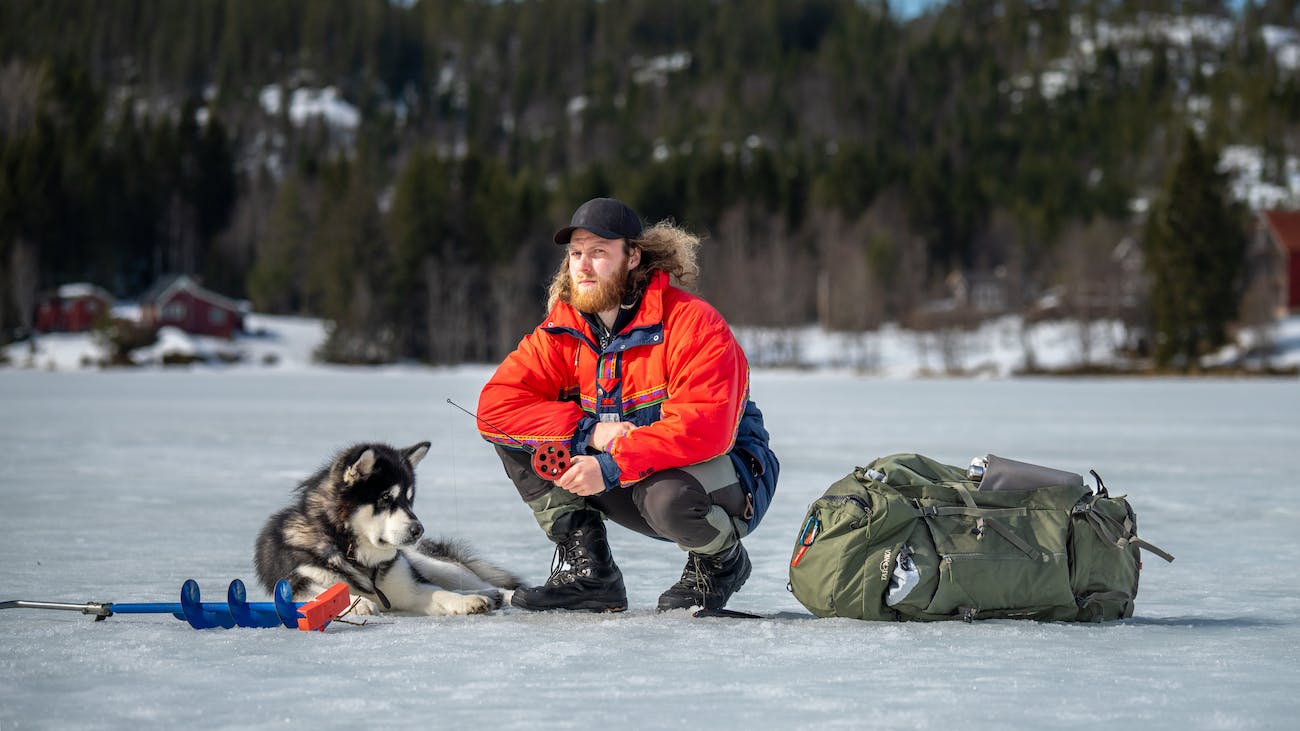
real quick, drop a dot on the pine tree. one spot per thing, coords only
(419, 225)
(275, 283)
(1195, 249)
(349, 270)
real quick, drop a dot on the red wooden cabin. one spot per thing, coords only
(1284, 227)
(72, 308)
(178, 301)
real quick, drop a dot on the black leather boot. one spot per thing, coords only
(708, 581)
(583, 574)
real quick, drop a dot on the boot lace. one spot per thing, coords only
(697, 577)
(568, 561)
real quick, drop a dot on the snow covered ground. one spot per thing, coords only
(997, 348)
(119, 485)
(272, 342)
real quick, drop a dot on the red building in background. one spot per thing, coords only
(72, 308)
(1284, 228)
(178, 301)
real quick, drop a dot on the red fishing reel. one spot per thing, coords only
(550, 460)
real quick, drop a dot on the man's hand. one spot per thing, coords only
(606, 431)
(583, 477)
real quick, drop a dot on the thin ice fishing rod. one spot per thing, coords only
(550, 459)
(495, 428)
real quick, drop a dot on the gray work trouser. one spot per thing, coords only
(701, 507)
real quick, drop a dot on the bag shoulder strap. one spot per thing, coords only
(1168, 557)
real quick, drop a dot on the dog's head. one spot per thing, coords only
(377, 488)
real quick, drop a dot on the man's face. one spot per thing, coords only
(598, 271)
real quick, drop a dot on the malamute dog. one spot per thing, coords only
(352, 522)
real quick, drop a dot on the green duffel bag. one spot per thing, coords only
(909, 538)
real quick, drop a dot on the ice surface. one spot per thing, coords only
(118, 486)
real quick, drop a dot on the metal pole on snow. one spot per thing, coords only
(235, 611)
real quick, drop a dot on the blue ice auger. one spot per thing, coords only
(235, 611)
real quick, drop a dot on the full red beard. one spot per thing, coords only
(607, 295)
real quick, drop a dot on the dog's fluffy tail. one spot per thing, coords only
(460, 553)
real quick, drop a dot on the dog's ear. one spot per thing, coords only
(415, 453)
(361, 469)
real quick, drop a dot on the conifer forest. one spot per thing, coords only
(398, 168)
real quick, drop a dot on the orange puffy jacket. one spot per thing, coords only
(676, 371)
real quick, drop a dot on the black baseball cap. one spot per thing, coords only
(608, 218)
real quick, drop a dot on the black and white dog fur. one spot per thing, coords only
(353, 523)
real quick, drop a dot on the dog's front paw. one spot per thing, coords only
(467, 604)
(497, 598)
(362, 606)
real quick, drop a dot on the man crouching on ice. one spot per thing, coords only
(650, 389)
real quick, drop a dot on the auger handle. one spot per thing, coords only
(98, 609)
(329, 604)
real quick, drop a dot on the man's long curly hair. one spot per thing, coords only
(665, 247)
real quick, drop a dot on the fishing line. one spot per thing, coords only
(455, 485)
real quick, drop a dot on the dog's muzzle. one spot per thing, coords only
(414, 531)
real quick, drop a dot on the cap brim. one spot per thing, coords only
(563, 235)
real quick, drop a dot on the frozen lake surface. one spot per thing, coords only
(118, 486)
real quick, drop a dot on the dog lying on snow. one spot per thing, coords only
(352, 522)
